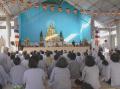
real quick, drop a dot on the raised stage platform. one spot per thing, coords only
(76, 49)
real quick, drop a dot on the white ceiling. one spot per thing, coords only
(100, 6)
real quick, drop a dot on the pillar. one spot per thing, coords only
(118, 34)
(16, 32)
(92, 32)
(110, 38)
(8, 30)
(92, 27)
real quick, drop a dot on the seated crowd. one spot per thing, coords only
(59, 69)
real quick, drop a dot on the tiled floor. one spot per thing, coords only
(104, 86)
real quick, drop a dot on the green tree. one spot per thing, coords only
(61, 36)
(41, 36)
(41, 39)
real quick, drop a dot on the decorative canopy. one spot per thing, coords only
(104, 11)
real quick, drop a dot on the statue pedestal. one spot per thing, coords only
(53, 43)
(76, 49)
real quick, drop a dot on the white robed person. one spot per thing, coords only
(17, 72)
(5, 60)
(4, 77)
(34, 78)
(114, 72)
(106, 47)
(60, 76)
(90, 73)
(13, 48)
(74, 68)
(2, 44)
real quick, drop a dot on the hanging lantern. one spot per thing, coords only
(75, 11)
(76, 3)
(68, 11)
(36, 5)
(81, 10)
(118, 13)
(44, 6)
(97, 36)
(60, 9)
(22, 1)
(29, 4)
(112, 13)
(13, 1)
(71, 3)
(52, 8)
(96, 31)
(96, 42)
(95, 13)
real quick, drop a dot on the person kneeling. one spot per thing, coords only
(60, 76)
(17, 72)
(34, 78)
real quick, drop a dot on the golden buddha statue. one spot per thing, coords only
(52, 38)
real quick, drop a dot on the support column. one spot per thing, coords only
(92, 27)
(118, 34)
(8, 30)
(93, 32)
(110, 38)
(16, 32)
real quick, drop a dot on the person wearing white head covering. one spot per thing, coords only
(79, 58)
(13, 48)
(42, 64)
(20, 55)
(106, 47)
(5, 60)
